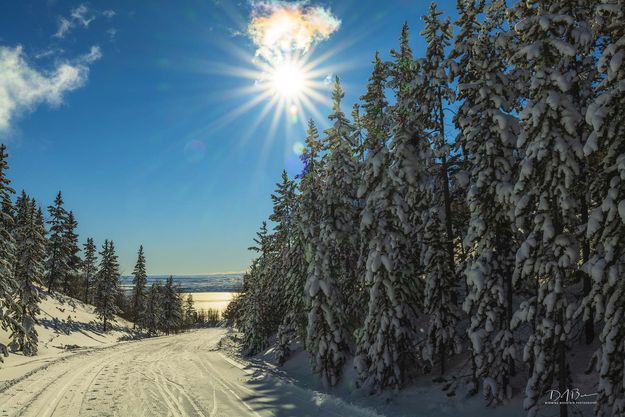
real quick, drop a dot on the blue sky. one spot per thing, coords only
(138, 128)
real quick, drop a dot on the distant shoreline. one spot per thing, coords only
(216, 283)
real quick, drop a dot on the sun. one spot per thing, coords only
(288, 79)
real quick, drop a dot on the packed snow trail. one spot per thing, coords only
(179, 375)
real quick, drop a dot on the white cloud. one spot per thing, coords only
(48, 53)
(94, 54)
(23, 87)
(64, 27)
(79, 16)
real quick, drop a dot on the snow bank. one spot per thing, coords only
(66, 326)
(424, 398)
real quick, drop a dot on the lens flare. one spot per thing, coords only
(194, 151)
(299, 148)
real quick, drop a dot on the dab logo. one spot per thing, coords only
(570, 396)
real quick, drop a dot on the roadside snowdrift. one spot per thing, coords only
(66, 326)
(423, 398)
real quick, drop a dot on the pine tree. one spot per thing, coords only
(71, 281)
(606, 223)
(138, 292)
(443, 315)
(153, 310)
(57, 264)
(171, 307)
(31, 251)
(386, 343)
(285, 288)
(259, 321)
(89, 269)
(106, 285)
(332, 271)
(7, 253)
(304, 217)
(487, 134)
(433, 95)
(550, 38)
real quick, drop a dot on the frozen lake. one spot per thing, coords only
(206, 300)
(209, 291)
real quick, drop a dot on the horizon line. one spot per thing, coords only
(191, 275)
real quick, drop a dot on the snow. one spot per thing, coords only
(621, 210)
(182, 375)
(66, 326)
(421, 399)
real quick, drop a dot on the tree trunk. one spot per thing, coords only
(509, 313)
(447, 198)
(51, 278)
(442, 353)
(589, 328)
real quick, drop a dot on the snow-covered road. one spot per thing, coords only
(180, 375)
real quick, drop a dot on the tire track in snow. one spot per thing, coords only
(227, 389)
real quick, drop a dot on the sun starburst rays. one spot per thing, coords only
(288, 92)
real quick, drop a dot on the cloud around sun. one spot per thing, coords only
(284, 34)
(280, 29)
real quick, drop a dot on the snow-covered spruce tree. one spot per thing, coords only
(89, 269)
(287, 286)
(283, 200)
(31, 252)
(171, 307)
(139, 280)
(71, 280)
(487, 133)
(433, 95)
(305, 219)
(7, 252)
(386, 344)
(153, 310)
(550, 38)
(106, 290)
(335, 251)
(607, 222)
(293, 325)
(441, 339)
(340, 208)
(258, 321)
(22, 210)
(57, 263)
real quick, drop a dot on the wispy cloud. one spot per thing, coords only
(112, 32)
(281, 27)
(80, 16)
(64, 27)
(23, 87)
